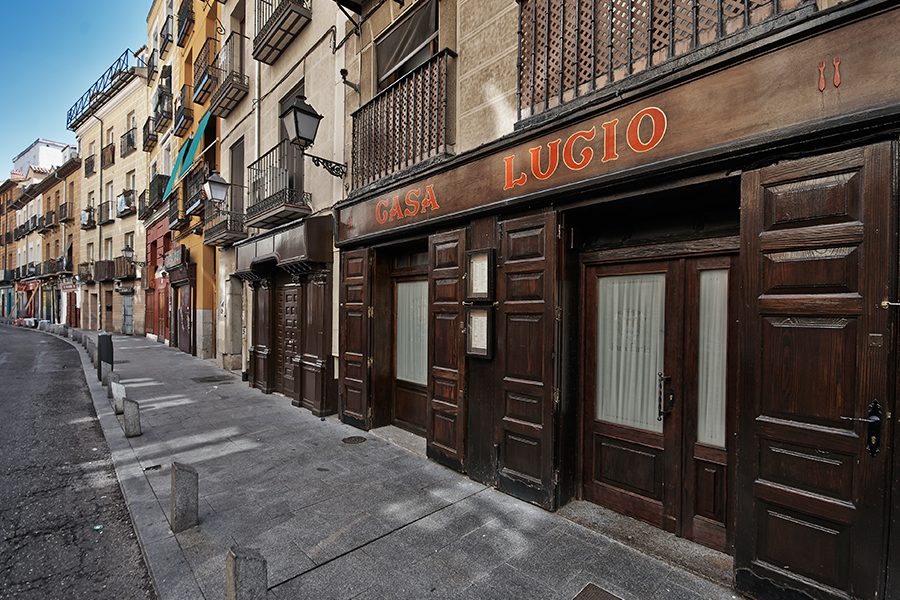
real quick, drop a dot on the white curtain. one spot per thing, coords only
(630, 335)
(712, 359)
(412, 331)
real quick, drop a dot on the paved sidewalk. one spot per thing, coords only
(334, 520)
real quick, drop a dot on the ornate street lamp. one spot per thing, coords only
(301, 121)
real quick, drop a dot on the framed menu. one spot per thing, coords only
(480, 274)
(479, 324)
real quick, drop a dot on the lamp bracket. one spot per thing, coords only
(336, 169)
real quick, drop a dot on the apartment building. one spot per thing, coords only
(9, 191)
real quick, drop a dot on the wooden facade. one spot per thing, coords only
(724, 222)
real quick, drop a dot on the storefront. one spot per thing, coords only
(626, 303)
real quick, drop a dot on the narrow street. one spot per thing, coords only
(66, 531)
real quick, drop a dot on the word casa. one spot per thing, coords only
(387, 210)
(577, 160)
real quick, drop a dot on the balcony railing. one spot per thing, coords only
(104, 270)
(233, 85)
(143, 210)
(106, 213)
(185, 22)
(7, 275)
(165, 35)
(125, 204)
(224, 227)
(66, 213)
(277, 24)
(89, 167)
(32, 223)
(47, 222)
(124, 268)
(150, 135)
(88, 221)
(566, 53)
(114, 79)
(86, 272)
(9, 237)
(276, 187)
(152, 66)
(177, 218)
(18, 233)
(128, 142)
(162, 110)
(194, 189)
(42, 224)
(108, 155)
(184, 114)
(157, 191)
(205, 72)
(406, 123)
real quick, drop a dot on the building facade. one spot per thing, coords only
(9, 191)
(641, 255)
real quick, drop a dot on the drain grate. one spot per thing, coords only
(212, 379)
(354, 439)
(592, 592)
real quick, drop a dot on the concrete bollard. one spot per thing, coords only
(113, 378)
(118, 394)
(132, 417)
(185, 497)
(245, 574)
(105, 370)
(104, 352)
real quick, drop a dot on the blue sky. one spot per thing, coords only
(51, 52)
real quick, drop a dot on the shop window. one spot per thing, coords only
(411, 43)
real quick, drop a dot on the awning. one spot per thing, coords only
(195, 143)
(174, 175)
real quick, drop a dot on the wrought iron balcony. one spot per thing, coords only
(128, 142)
(104, 270)
(184, 114)
(48, 269)
(152, 66)
(150, 135)
(165, 35)
(114, 79)
(143, 211)
(223, 227)
(233, 85)
(32, 223)
(185, 22)
(18, 233)
(156, 191)
(34, 270)
(66, 213)
(89, 166)
(205, 72)
(276, 187)
(124, 269)
(162, 110)
(47, 222)
(41, 224)
(278, 22)
(194, 189)
(9, 237)
(106, 213)
(177, 218)
(86, 272)
(7, 275)
(88, 220)
(406, 123)
(108, 155)
(125, 204)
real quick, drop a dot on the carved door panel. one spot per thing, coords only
(286, 336)
(818, 262)
(356, 307)
(185, 324)
(446, 431)
(526, 350)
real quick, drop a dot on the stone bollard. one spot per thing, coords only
(118, 394)
(105, 370)
(245, 574)
(132, 417)
(185, 497)
(113, 378)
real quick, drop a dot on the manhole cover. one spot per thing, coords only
(592, 592)
(354, 439)
(211, 379)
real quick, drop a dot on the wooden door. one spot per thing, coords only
(356, 311)
(526, 349)
(656, 347)
(446, 436)
(185, 325)
(817, 235)
(162, 311)
(287, 306)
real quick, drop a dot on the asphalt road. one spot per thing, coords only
(65, 531)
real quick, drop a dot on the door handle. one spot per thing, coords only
(873, 427)
(669, 394)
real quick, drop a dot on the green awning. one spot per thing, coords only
(198, 138)
(174, 175)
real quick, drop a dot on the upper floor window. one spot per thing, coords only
(411, 43)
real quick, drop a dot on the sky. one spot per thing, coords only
(51, 52)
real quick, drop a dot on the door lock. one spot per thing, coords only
(873, 429)
(669, 394)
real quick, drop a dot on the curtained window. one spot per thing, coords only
(412, 331)
(712, 357)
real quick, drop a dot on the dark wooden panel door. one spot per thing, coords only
(526, 348)
(287, 306)
(356, 308)
(409, 405)
(446, 430)
(184, 318)
(818, 262)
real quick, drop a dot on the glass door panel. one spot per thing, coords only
(712, 363)
(412, 331)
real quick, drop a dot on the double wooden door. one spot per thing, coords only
(656, 393)
(287, 335)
